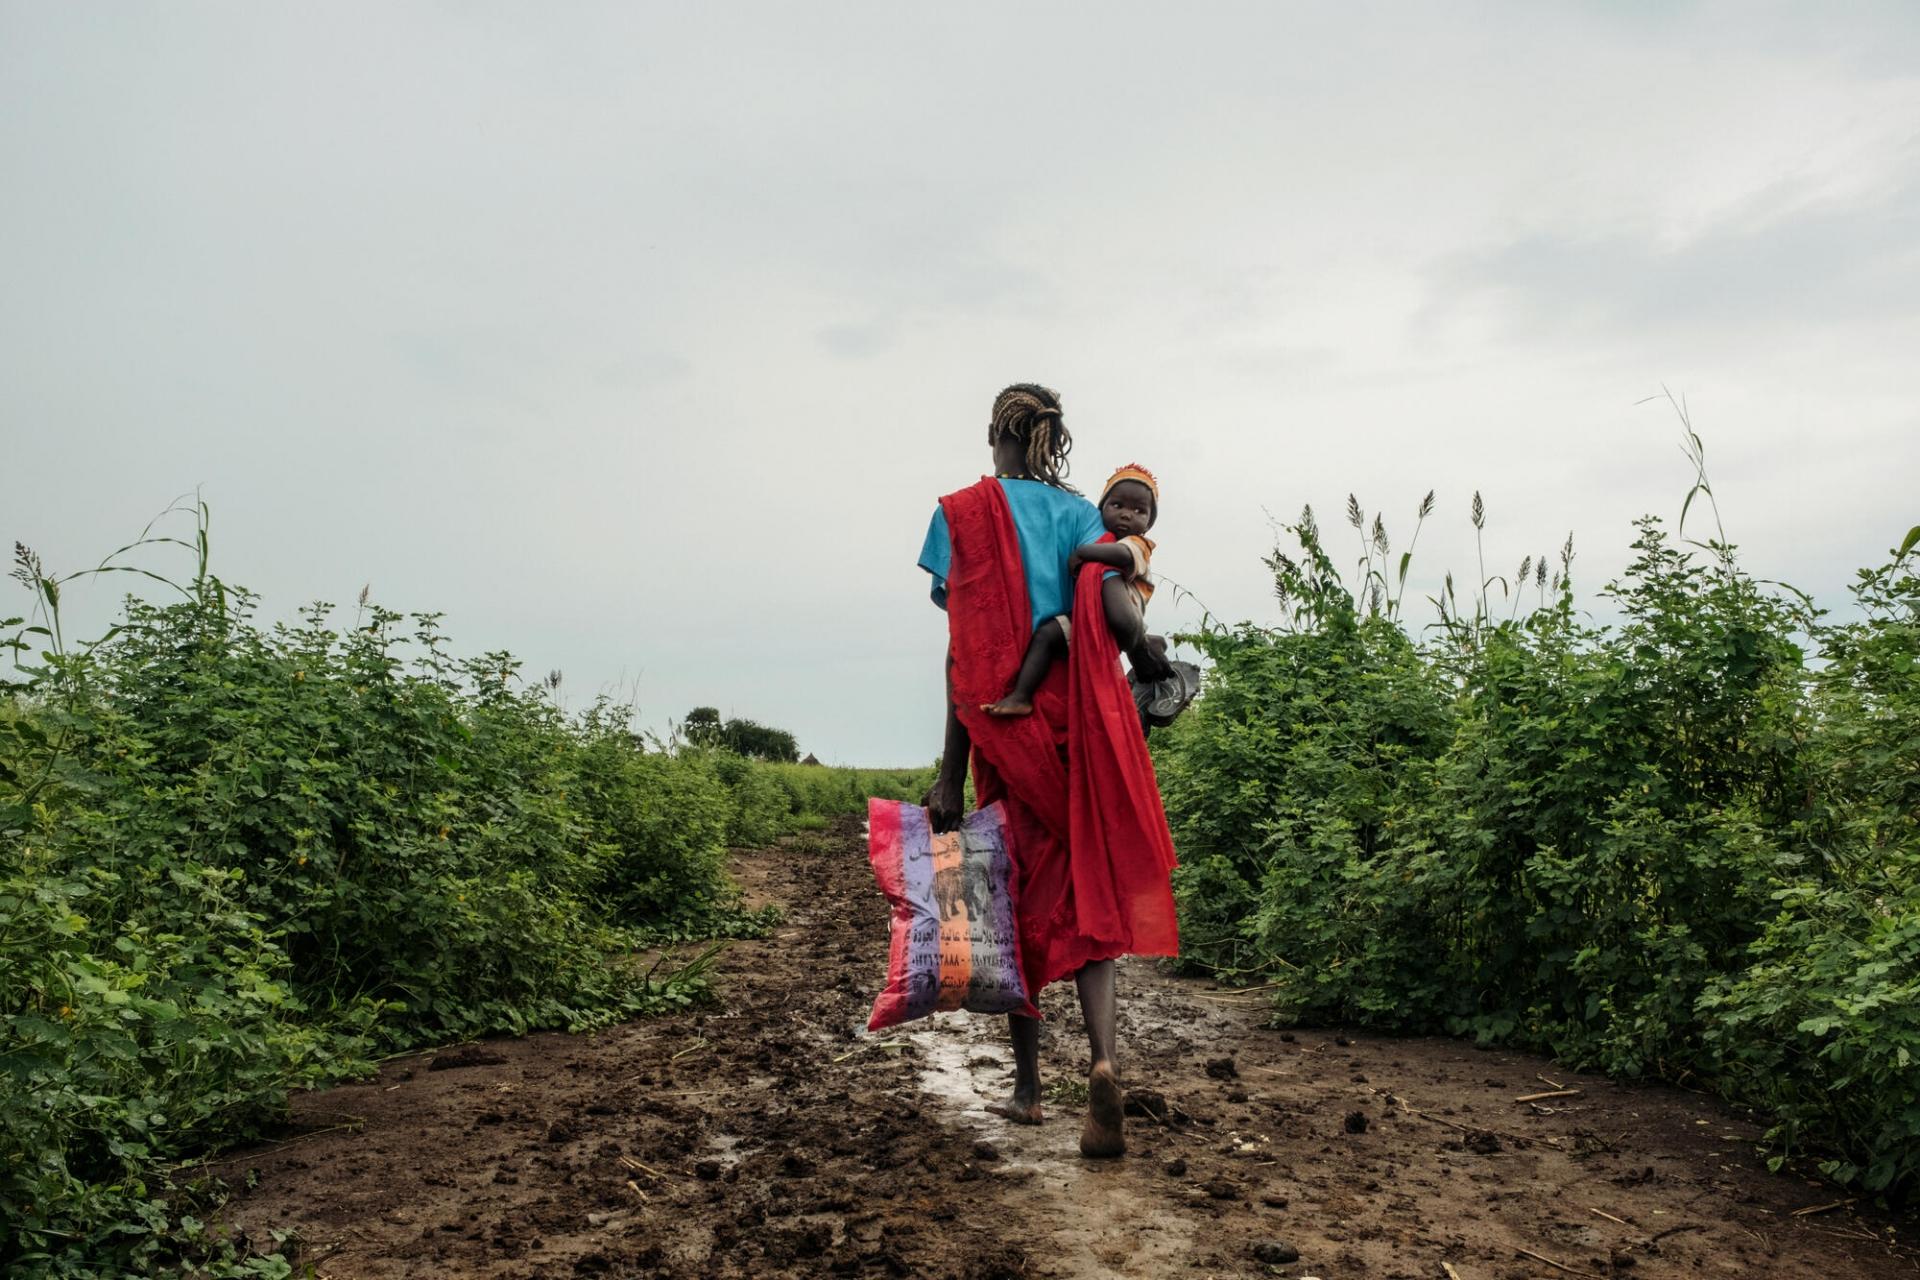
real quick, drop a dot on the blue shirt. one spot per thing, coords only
(1050, 523)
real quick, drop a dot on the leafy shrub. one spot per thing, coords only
(406, 835)
(1822, 1026)
(124, 1045)
(816, 791)
(238, 860)
(659, 823)
(760, 806)
(1669, 847)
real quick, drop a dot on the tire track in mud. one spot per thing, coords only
(770, 1136)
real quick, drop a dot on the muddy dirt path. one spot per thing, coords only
(771, 1137)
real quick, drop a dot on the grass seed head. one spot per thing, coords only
(26, 564)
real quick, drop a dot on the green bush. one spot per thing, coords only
(1670, 847)
(760, 808)
(127, 1044)
(659, 823)
(817, 791)
(404, 832)
(239, 860)
(1822, 1026)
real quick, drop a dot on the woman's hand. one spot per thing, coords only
(945, 801)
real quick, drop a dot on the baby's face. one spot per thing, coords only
(1127, 509)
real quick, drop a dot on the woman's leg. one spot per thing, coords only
(1099, 1005)
(1103, 1136)
(1024, 1106)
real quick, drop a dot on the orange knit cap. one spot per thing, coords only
(1132, 471)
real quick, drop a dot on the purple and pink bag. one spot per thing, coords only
(956, 941)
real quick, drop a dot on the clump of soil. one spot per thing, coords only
(1276, 1252)
(469, 1056)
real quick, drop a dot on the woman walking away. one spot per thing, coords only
(1090, 840)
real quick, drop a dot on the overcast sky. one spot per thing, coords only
(641, 339)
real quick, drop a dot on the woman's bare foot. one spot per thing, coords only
(1011, 705)
(1020, 1110)
(1103, 1137)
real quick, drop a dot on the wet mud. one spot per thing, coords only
(771, 1136)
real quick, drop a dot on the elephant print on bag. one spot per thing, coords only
(947, 890)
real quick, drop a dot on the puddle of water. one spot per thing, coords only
(945, 1048)
(725, 1148)
(1102, 1227)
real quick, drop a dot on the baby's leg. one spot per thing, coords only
(1129, 627)
(1048, 644)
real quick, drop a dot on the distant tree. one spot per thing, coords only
(702, 727)
(762, 742)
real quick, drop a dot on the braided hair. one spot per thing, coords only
(1032, 414)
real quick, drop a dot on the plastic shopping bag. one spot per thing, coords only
(955, 942)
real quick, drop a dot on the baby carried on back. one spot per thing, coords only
(1129, 505)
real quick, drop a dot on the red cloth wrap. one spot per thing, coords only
(1074, 775)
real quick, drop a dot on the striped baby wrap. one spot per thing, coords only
(955, 942)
